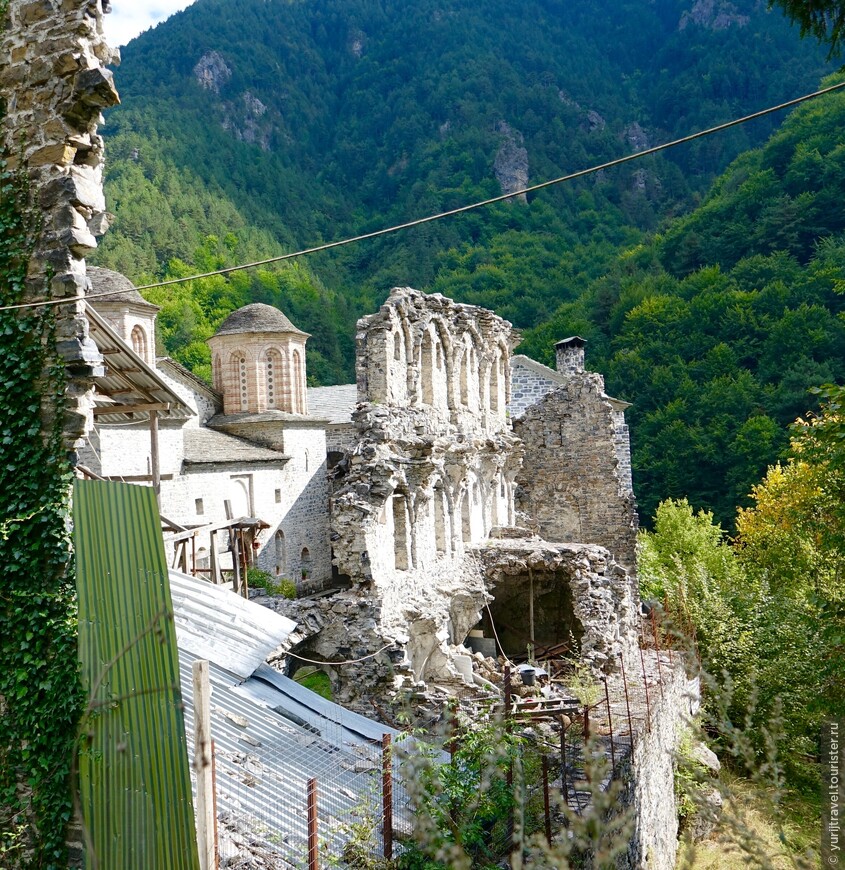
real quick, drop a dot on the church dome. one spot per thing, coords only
(257, 317)
(119, 288)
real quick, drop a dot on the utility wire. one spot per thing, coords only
(455, 211)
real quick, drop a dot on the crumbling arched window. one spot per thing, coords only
(440, 515)
(427, 369)
(401, 532)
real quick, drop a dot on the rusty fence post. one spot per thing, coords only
(452, 727)
(387, 794)
(645, 684)
(214, 804)
(657, 648)
(546, 803)
(627, 704)
(610, 728)
(564, 787)
(313, 845)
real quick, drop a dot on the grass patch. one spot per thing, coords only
(315, 680)
(757, 830)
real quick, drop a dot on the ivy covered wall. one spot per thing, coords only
(53, 85)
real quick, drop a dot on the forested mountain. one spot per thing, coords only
(250, 127)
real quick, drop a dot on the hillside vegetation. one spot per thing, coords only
(249, 128)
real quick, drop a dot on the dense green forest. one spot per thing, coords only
(712, 307)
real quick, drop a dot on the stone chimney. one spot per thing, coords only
(570, 355)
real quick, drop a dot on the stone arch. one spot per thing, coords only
(140, 342)
(297, 398)
(272, 369)
(239, 367)
(280, 552)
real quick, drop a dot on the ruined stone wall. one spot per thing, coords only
(605, 612)
(432, 470)
(575, 485)
(54, 85)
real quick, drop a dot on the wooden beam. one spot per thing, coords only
(148, 407)
(203, 765)
(154, 459)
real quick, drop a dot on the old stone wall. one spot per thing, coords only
(54, 85)
(604, 611)
(649, 777)
(528, 386)
(575, 485)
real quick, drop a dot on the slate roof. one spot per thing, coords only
(119, 288)
(209, 447)
(257, 317)
(521, 361)
(186, 376)
(334, 404)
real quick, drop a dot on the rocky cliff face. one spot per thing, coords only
(511, 163)
(212, 71)
(713, 15)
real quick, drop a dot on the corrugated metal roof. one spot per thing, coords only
(215, 624)
(264, 762)
(273, 735)
(128, 379)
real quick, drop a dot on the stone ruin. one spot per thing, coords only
(424, 520)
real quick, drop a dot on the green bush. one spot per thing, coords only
(256, 578)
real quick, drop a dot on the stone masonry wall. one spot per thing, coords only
(54, 85)
(602, 593)
(649, 778)
(574, 486)
(527, 388)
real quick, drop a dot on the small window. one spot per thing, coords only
(199, 507)
(278, 496)
(139, 342)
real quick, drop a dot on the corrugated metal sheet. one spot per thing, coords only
(128, 379)
(215, 624)
(134, 778)
(274, 689)
(264, 762)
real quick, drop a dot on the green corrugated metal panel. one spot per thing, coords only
(134, 770)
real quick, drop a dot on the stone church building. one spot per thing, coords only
(452, 481)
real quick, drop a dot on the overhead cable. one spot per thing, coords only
(451, 212)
